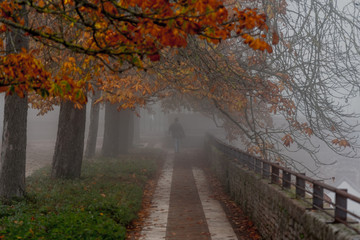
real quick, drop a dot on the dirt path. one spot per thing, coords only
(38, 155)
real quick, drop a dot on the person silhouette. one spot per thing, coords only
(177, 132)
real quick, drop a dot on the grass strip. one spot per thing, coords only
(99, 205)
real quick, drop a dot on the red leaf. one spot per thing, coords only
(275, 38)
(154, 57)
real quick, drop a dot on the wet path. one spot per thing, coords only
(182, 207)
(186, 219)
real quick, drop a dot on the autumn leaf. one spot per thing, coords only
(275, 38)
(159, 24)
(308, 131)
(111, 40)
(41, 3)
(341, 142)
(154, 57)
(287, 139)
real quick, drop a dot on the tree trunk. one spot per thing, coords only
(93, 126)
(136, 130)
(69, 145)
(111, 131)
(118, 131)
(131, 129)
(126, 131)
(13, 151)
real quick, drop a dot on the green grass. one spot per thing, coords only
(98, 206)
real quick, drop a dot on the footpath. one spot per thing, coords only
(183, 206)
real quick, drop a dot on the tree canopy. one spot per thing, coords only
(289, 101)
(116, 34)
(203, 50)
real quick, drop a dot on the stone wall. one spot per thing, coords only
(276, 213)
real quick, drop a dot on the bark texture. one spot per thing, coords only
(118, 131)
(126, 128)
(93, 126)
(111, 131)
(13, 151)
(69, 145)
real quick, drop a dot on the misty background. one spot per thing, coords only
(152, 126)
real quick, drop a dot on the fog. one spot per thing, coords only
(156, 123)
(41, 135)
(151, 131)
(153, 125)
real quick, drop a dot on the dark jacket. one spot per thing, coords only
(176, 130)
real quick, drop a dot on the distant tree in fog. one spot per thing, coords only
(118, 131)
(93, 126)
(305, 83)
(111, 131)
(318, 56)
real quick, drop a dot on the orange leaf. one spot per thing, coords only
(275, 38)
(287, 139)
(41, 3)
(341, 143)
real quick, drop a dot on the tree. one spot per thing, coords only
(303, 83)
(128, 31)
(67, 159)
(110, 146)
(118, 35)
(93, 126)
(118, 131)
(132, 128)
(69, 147)
(126, 128)
(13, 151)
(318, 57)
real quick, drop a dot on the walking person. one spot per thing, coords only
(177, 132)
